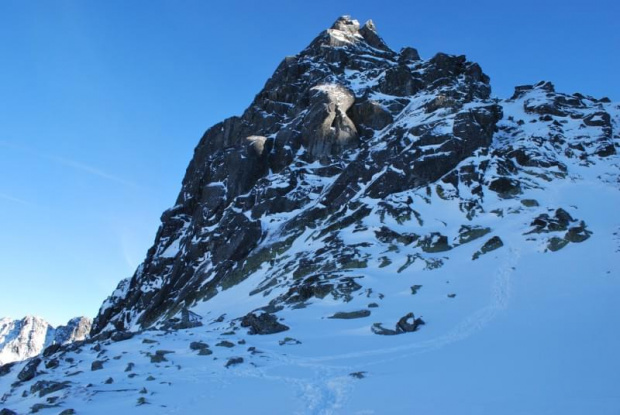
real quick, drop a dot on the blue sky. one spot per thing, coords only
(102, 103)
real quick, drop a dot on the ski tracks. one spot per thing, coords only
(329, 389)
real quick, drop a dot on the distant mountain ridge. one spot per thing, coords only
(28, 337)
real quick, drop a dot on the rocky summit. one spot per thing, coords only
(368, 211)
(335, 139)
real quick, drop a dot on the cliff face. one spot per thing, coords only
(337, 136)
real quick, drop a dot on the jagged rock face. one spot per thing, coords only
(338, 134)
(77, 328)
(327, 129)
(21, 339)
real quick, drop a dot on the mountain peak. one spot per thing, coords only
(347, 32)
(27, 337)
(346, 24)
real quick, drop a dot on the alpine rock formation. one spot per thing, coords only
(373, 224)
(21, 339)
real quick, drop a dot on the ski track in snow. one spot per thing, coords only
(329, 390)
(470, 325)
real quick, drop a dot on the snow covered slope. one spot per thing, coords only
(374, 235)
(21, 339)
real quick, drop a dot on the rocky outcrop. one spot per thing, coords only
(338, 134)
(327, 129)
(30, 370)
(406, 324)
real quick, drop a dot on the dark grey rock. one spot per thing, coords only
(399, 81)
(198, 346)
(577, 234)
(233, 361)
(598, 119)
(530, 202)
(371, 114)
(434, 242)
(348, 315)
(468, 233)
(30, 370)
(262, 324)
(409, 323)
(120, 336)
(45, 387)
(51, 349)
(52, 364)
(6, 368)
(490, 245)
(555, 243)
(506, 187)
(205, 352)
(369, 33)
(96, 365)
(521, 90)
(378, 328)
(544, 223)
(160, 356)
(39, 406)
(387, 235)
(289, 341)
(406, 324)
(408, 54)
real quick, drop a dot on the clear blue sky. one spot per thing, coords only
(102, 103)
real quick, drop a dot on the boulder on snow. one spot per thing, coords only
(490, 245)
(120, 336)
(96, 365)
(6, 368)
(233, 361)
(349, 315)
(30, 370)
(45, 387)
(262, 324)
(406, 324)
